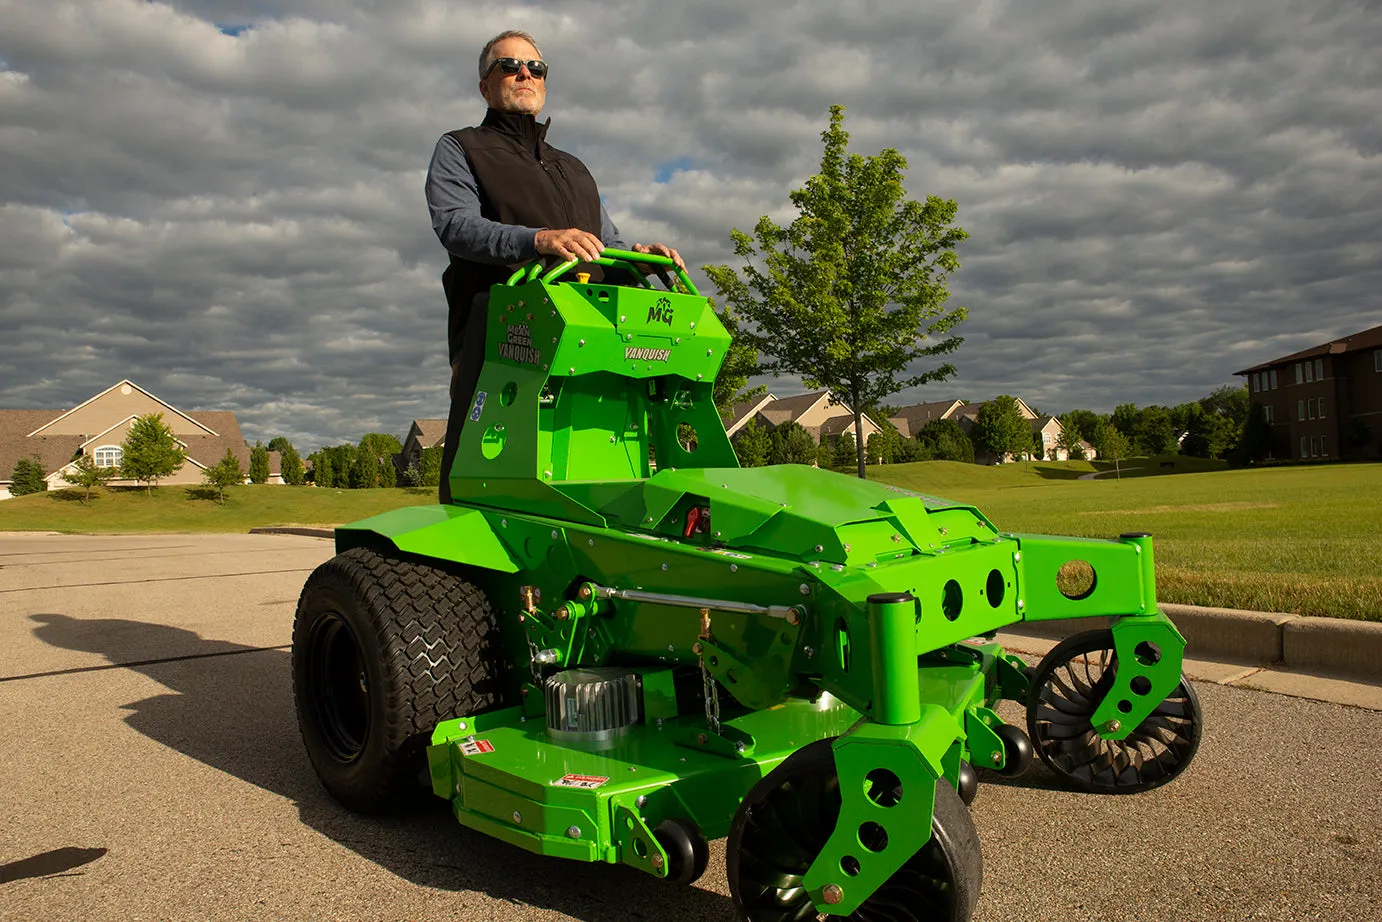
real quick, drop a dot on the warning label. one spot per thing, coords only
(580, 781)
(476, 747)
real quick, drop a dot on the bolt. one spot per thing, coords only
(693, 324)
(832, 894)
(819, 548)
(573, 831)
(739, 746)
(622, 318)
(897, 539)
(1112, 726)
(664, 568)
(583, 592)
(581, 343)
(695, 648)
(837, 567)
(1017, 558)
(642, 800)
(590, 541)
(809, 651)
(701, 738)
(571, 370)
(997, 757)
(611, 438)
(504, 523)
(847, 548)
(517, 817)
(1021, 604)
(521, 618)
(554, 534)
(805, 589)
(677, 340)
(554, 339)
(734, 568)
(657, 862)
(708, 352)
(562, 613)
(794, 617)
(671, 648)
(698, 377)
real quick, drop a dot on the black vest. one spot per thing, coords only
(522, 180)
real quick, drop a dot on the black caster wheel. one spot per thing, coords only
(687, 851)
(1017, 750)
(968, 783)
(786, 819)
(1067, 689)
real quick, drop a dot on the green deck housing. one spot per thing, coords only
(836, 607)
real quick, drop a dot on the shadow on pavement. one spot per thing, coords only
(235, 713)
(58, 862)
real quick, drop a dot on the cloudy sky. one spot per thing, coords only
(222, 199)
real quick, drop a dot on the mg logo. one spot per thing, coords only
(661, 312)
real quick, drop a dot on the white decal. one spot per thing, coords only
(588, 782)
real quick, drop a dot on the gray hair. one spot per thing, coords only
(487, 55)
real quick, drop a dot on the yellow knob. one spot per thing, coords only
(582, 277)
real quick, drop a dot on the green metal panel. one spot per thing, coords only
(441, 532)
(1118, 578)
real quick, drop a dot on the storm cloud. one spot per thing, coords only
(223, 200)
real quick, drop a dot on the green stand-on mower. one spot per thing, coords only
(617, 645)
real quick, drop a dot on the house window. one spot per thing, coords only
(1273, 387)
(1319, 406)
(1300, 411)
(1314, 447)
(1310, 407)
(1256, 382)
(107, 456)
(1319, 369)
(1300, 375)
(1324, 450)
(1269, 412)
(1309, 373)
(1304, 447)
(1377, 360)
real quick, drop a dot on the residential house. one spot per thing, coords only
(814, 412)
(422, 434)
(912, 419)
(1325, 401)
(98, 426)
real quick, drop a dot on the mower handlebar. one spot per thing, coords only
(624, 259)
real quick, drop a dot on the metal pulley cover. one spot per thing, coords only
(591, 704)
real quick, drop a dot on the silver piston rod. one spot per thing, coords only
(789, 613)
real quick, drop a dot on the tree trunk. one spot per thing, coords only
(860, 443)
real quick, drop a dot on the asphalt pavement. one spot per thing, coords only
(151, 769)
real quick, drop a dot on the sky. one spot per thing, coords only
(222, 199)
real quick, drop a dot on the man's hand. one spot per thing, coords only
(660, 249)
(569, 244)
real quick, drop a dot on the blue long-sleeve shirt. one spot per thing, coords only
(454, 201)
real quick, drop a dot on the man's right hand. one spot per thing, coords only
(569, 244)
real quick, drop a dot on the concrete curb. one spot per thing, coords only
(1330, 645)
(300, 530)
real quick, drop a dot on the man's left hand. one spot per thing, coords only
(660, 249)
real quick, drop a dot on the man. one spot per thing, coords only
(500, 195)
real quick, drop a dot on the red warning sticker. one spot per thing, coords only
(476, 747)
(580, 781)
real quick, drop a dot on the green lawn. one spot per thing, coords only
(193, 509)
(1306, 540)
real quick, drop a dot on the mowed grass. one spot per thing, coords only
(194, 509)
(1304, 540)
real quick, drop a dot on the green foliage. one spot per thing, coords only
(86, 474)
(27, 477)
(753, 444)
(280, 444)
(946, 441)
(846, 453)
(791, 444)
(884, 446)
(150, 451)
(259, 463)
(741, 362)
(290, 465)
(383, 448)
(429, 467)
(1154, 432)
(364, 473)
(321, 468)
(225, 473)
(1069, 438)
(1114, 446)
(852, 294)
(1000, 428)
(1125, 419)
(1089, 423)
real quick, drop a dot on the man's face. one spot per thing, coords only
(520, 92)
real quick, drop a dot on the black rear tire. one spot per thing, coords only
(383, 650)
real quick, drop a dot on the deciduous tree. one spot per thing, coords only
(290, 466)
(753, 444)
(1116, 446)
(225, 473)
(792, 445)
(150, 451)
(382, 447)
(86, 474)
(852, 294)
(946, 441)
(1001, 429)
(1070, 437)
(259, 463)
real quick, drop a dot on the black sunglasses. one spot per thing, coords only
(513, 65)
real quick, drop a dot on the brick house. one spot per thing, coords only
(1325, 401)
(98, 426)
